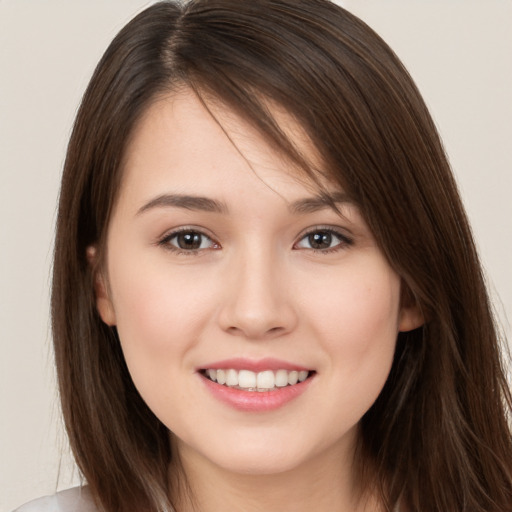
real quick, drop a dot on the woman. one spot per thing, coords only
(266, 295)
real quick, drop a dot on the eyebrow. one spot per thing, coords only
(320, 202)
(206, 204)
(188, 202)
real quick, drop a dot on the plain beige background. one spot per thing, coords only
(458, 51)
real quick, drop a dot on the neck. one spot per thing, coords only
(325, 483)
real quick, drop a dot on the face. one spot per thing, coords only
(257, 323)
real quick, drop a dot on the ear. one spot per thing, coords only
(103, 302)
(410, 318)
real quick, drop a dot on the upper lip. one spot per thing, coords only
(255, 365)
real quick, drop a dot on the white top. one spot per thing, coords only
(77, 499)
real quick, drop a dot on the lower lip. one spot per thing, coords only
(256, 401)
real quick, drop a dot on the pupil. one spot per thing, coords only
(189, 241)
(320, 240)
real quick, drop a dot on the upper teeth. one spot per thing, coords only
(262, 381)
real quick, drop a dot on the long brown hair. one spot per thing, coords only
(438, 436)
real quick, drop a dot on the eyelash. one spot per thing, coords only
(166, 241)
(344, 240)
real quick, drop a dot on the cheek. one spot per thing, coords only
(361, 306)
(144, 312)
(374, 310)
(154, 321)
(157, 324)
(155, 307)
(358, 326)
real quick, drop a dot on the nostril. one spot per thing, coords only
(248, 332)
(234, 330)
(256, 320)
(274, 330)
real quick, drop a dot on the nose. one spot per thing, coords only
(258, 302)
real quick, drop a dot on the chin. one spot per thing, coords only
(250, 456)
(261, 464)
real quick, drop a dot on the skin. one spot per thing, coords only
(255, 288)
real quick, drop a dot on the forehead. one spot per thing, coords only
(181, 142)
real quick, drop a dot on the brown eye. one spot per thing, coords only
(191, 241)
(188, 241)
(320, 240)
(325, 240)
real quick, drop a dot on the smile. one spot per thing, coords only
(247, 380)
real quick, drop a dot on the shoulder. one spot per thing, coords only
(77, 499)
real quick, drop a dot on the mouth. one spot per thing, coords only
(263, 381)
